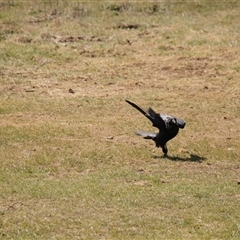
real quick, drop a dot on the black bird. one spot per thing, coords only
(168, 127)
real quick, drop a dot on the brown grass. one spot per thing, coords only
(71, 166)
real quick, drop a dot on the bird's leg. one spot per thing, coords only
(165, 150)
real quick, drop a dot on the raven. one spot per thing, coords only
(168, 127)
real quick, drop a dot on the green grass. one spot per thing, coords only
(71, 166)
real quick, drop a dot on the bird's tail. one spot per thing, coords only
(137, 107)
(140, 110)
(146, 135)
(154, 117)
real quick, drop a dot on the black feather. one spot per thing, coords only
(168, 127)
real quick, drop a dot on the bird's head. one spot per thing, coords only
(180, 123)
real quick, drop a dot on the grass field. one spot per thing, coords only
(71, 166)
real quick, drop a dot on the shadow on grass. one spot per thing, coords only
(191, 158)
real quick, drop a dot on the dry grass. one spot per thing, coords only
(71, 166)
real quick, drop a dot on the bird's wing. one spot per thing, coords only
(146, 135)
(154, 117)
(157, 120)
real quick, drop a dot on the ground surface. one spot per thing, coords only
(71, 166)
